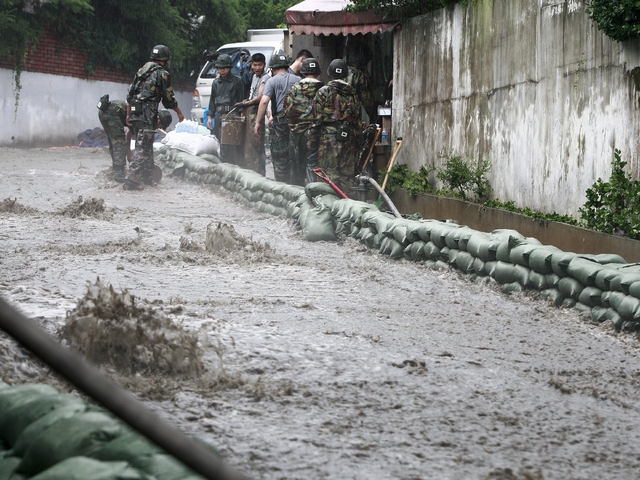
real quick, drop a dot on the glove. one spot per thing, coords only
(240, 105)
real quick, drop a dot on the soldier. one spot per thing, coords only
(226, 91)
(358, 57)
(151, 85)
(335, 131)
(254, 155)
(274, 91)
(113, 117)
(298, 112)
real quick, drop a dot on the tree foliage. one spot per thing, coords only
(266, 13)
(401, 8)
(618, 19)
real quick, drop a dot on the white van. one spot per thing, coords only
(275, 41)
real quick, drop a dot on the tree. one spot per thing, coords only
(266, 13)
(401, 8)
(618, 19)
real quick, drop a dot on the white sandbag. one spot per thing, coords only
(193, 143)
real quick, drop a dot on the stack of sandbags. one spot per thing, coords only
(45, 435)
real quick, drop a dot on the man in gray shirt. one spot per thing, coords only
(275, 90)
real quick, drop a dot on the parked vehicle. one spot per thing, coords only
(266, 41)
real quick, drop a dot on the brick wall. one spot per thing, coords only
(55, 57)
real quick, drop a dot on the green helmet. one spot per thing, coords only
(160, 52)
(165, 118)
(310, 65)
(338, 69)
(224, 61)
(279, 61)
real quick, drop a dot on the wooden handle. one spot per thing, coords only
(396, 150)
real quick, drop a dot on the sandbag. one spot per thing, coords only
(391, 247)
(483, 246)
(314, 189)
(415, 250)
(459, 237)
(193, 143)
(560, 262)
(604, 277)
(318, 224)
(81, 434)
(509, 273)
(570, 287)
(519, 255)
(8, 466)
(431, 251)
(452, 254)
(18, 394)
(540, 259)
(553, 295)
(584, 270)
(629, 308)
(612, 299)
(607, 258)
(33, 431)
(514, 287)
(127, 447)
(479, 267)
(634, 289)
(552, 280)
(83, 468)
(591, 296)
(163, 467)
(490, 268)
(537, 281)
(439, 232)
(464, 261)
(210, 157)
(568, 303)
(16, 419)
(623, 282)
(599, 314)
(424, 230)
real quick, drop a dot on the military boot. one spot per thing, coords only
(119, 175)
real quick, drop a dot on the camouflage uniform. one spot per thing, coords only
(113, 119)
(360, 79)
(336, 107)
(151, 85)
(225, 92)
(299, 114)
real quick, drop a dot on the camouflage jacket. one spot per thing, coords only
(360, 79)
(336, 102)
(152, 83)
(298, 104)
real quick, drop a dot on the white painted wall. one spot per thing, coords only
(531, 85)
(54, 109)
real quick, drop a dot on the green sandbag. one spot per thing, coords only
(490, 268)
(415, 250)
(431, 251)
(314, 189)
(444, 254)
(21, 416)
(127, 447)
(318, 224)
(163, 467)
(584, 270)
(439, 233)
(560, 262)
(582, 308)
(591, 296)
(209, 157)
(464, 261)
(607, 258)
(629, 308)
(519, 255)
(424, 230)
(514, 287)
(634, 289)
(391, 247)
(412, 230)
(503, 252)
(355, 230)
(18, 394)
(397, 229)
(457, 236)
(570, 287)
(537, 281)
(568, 303)
(83, 468)
(554, 295)
(624, 281)
(483, 246)
(8, 466)
(452, 254)
(615, 318)
(509, 273)
(604, 277)
(440, 265)
(612, 299)
(479, 267)
(552, 280)
(540, 259)
(81, 434)
(378, 221)
(599, 314)
(33, 431)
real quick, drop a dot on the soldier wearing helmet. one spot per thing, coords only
(358, 57)
(226, 91)
(275, 91)
(335, 131)
(299, 115)
(151, 85)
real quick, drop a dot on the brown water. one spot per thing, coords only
(322, 360)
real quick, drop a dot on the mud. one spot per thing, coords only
(321, 360)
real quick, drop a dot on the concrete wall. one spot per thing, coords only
(54, 109)
(530, 85)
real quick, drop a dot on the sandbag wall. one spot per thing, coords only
(603, 285)
(45, 435)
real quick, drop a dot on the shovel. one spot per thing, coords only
(392, 160)
(320, 173)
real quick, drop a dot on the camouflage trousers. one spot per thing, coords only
(114, 129)
(299, 156)
(253, 144)
(280, 151)
(338, 160)
(141, 168)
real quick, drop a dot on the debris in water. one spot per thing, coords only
(117, 329)
(12, 206)
(91, 207)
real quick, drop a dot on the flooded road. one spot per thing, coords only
(323, 360)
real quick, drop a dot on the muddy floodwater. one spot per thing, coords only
(322, 360)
